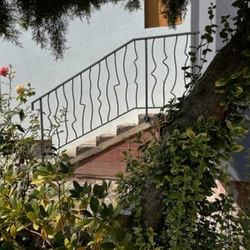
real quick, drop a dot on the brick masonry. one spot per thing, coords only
(107, 163)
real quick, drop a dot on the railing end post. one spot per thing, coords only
(146, 118)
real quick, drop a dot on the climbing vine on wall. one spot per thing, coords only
(185, 162)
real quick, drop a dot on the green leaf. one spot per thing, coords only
(98, 190)
(48, 166)
(20, 128)
(117, 211)
(1, 139)
(193, 59)
(49, 208)
(185, 68)
(224, 102)
(236, 91)
(160, 171)
(246, 72)
(43, 212)
(86, 213)
(73, 239)
(74, 194)
(83, 223)
(221, 82)
(105, 210)
(223, 34)
(219, 90)
(63, 167)
(201, 119)
(194, 153)
(126, 240)
(49, 230)
(77, 187)
(107, 246)
(237, 148)
(246, 52)
(236, 75)
(31, 215)
(13, 201)
(13, 231)
(190, 133)
(67, 244)
(178, 180)
(5, 235)
(21, 114)
(119, 233)
(94, 203)
(114, 223)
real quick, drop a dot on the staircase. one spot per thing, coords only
(140, 76)
(101, 159)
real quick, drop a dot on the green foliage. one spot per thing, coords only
(194, 72)
(186, 162)
(39, 210)
(40, 206)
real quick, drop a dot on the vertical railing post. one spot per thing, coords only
(146, 118)
(194, 46)
(42, 135)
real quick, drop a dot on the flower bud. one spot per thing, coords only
(19, 89)
(4, 71)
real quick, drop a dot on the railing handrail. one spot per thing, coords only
(109, 54)
(132, 80)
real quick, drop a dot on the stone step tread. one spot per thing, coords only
(104, 140)
(125, 127)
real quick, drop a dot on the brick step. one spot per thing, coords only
(89, 152)
(100, 139)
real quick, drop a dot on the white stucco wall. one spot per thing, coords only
(200, 19)
(108, 29)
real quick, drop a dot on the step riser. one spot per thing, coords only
(106, 138)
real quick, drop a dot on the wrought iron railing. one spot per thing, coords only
(143, 73)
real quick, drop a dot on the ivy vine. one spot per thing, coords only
(185, 163)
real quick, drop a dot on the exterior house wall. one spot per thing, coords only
(107, 30)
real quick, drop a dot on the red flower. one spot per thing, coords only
(4, 71)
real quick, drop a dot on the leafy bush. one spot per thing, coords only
(40, 207)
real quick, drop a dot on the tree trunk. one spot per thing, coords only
(202, 100)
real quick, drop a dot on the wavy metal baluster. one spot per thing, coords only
(185, 65)
(100, 93)
(116, 85)
(55, 117)
(166, 77)
(67, 110)
(48, 116)
(126, 79)
(91, 101)
(136, 75)
(82, 104)
(107, 90)
(152, 73)
(74, 107)
(175, 66)
(42, 126)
